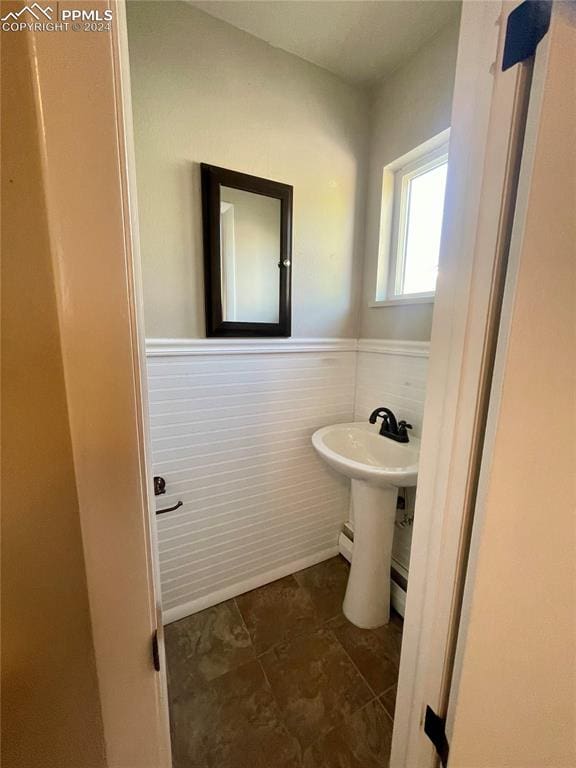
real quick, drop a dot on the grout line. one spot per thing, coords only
(383, 708)
(291, 639)
(280, 711)
(273, 694)
(299, 635)
(243, 620)
(391, 717)
(305, 632)
(334, 727)
(375, 695)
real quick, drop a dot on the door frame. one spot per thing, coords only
(127, 158)
(92, 226)
(485, 138)
(482, 137)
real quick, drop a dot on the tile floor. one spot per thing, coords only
(278, 678)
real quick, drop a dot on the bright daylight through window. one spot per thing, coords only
(424, 205)
(408, 263)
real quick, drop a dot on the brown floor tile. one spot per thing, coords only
(186, 762)
(326, 584)
(390, 636)
(388, 700)
(315, 684)
(204, 646)
(369, 651)
(362, 741)
(232, 722)
(277, 612)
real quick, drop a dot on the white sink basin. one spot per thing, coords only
(359, 452)
(377, 467)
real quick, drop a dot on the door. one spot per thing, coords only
(514, 688)
(487, 138)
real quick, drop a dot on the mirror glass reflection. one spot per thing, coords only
(249, 256)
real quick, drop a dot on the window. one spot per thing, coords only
(412, 208)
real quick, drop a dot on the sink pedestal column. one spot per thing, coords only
(367, 600)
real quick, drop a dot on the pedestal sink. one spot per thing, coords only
(377, 467)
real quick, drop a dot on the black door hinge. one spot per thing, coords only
(526, 26)
(155, 651)
(435, 729)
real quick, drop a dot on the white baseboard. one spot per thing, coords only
(397, 598)
(207, 601)
(345, 547)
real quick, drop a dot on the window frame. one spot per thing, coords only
(396, 180)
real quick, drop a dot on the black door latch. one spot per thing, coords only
(155, 651)
(435, 729)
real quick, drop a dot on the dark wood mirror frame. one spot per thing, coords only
(212, 179)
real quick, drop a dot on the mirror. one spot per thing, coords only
(247, 254)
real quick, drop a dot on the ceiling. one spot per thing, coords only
(361, 41)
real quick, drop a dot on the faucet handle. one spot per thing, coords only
(403, 426)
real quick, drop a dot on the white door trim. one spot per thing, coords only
(89, 197)
(127, 162)
(483, 141)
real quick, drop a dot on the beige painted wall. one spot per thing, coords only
(408, 108)
(50, 700)
(204, 91)
(516, 705)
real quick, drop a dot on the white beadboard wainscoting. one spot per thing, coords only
(393, 374)
(231, 422)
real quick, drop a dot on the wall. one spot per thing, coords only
(392, 374)
(258, 502)
(409, 107)
(515, 704)
(231, 425)
(50, 699)
(204, 91)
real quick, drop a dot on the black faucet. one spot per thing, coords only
(395, 430)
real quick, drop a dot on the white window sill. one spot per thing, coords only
(403, 300)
